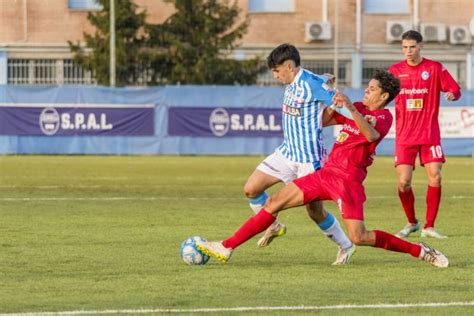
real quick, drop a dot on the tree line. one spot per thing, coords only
(192, 46)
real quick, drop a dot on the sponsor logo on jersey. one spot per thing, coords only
(402, 75)
(297, 99)
(342, 137)
(326, 87)
(414, 91)
(291, 110)
(425, 75)
(414, 104)
(351, 129)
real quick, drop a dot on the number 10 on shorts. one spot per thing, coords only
(436, 151)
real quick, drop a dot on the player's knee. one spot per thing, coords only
(250, 191)
(404, 184)
(435, 180)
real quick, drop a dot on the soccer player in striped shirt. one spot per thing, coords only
(302, 151)
(417, 129)
(346, 167)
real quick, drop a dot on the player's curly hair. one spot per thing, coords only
(281, 54)
(388, 82)
(412, 35)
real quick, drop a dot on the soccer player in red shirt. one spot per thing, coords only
(340, 179)
(417, 129)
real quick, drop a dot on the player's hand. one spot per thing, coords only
(449, 96)
(340, 99)
(331, 79)
(337, 102)
(371, 119)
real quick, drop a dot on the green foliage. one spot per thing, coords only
(103, 233)
(191, 41)
(130, 39)
(192, 46)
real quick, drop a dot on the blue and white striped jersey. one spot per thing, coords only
(303, 105)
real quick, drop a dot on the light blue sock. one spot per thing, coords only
(257, 203)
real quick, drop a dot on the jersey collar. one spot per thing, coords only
(298, 75)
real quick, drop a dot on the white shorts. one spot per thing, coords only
(284, 169)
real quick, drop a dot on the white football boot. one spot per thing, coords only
(277, 229)
(433, 256)
(344, 255)
(407, 230)
(215, 249)
(432, 232)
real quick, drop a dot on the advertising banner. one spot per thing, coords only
(77, 119)
(224, 122)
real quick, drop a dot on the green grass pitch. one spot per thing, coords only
(94, 233)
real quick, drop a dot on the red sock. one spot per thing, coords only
(408, 202)
(254, 225)
(433, 198)
(390, 242)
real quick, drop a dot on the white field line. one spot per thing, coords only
(117, 198)
(108, 186)
(5, 178)
(169, 185)
(243, 309)
(170, 198)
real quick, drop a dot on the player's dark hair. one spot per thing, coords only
(412, 35)
(388, 83)
(281, 54)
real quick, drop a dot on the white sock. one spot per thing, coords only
(331, 228)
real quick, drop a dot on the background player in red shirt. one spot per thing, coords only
(340, 179)
(417, 129)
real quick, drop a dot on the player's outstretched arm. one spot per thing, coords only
(366, 126)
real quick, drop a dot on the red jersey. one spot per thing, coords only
(352, 152)
(417, 104)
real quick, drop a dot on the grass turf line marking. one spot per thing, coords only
(127, 179)
(243, 309)
(160, 198)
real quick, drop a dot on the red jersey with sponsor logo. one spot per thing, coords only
(352, 152)
(417, 104)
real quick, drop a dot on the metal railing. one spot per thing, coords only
(47, 71)
(370, 66)
(66, 71)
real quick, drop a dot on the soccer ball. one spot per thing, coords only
(191, 254)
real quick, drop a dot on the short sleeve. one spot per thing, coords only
(384, 122)
(321, 91)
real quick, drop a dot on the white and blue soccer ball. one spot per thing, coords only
(191, 254)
